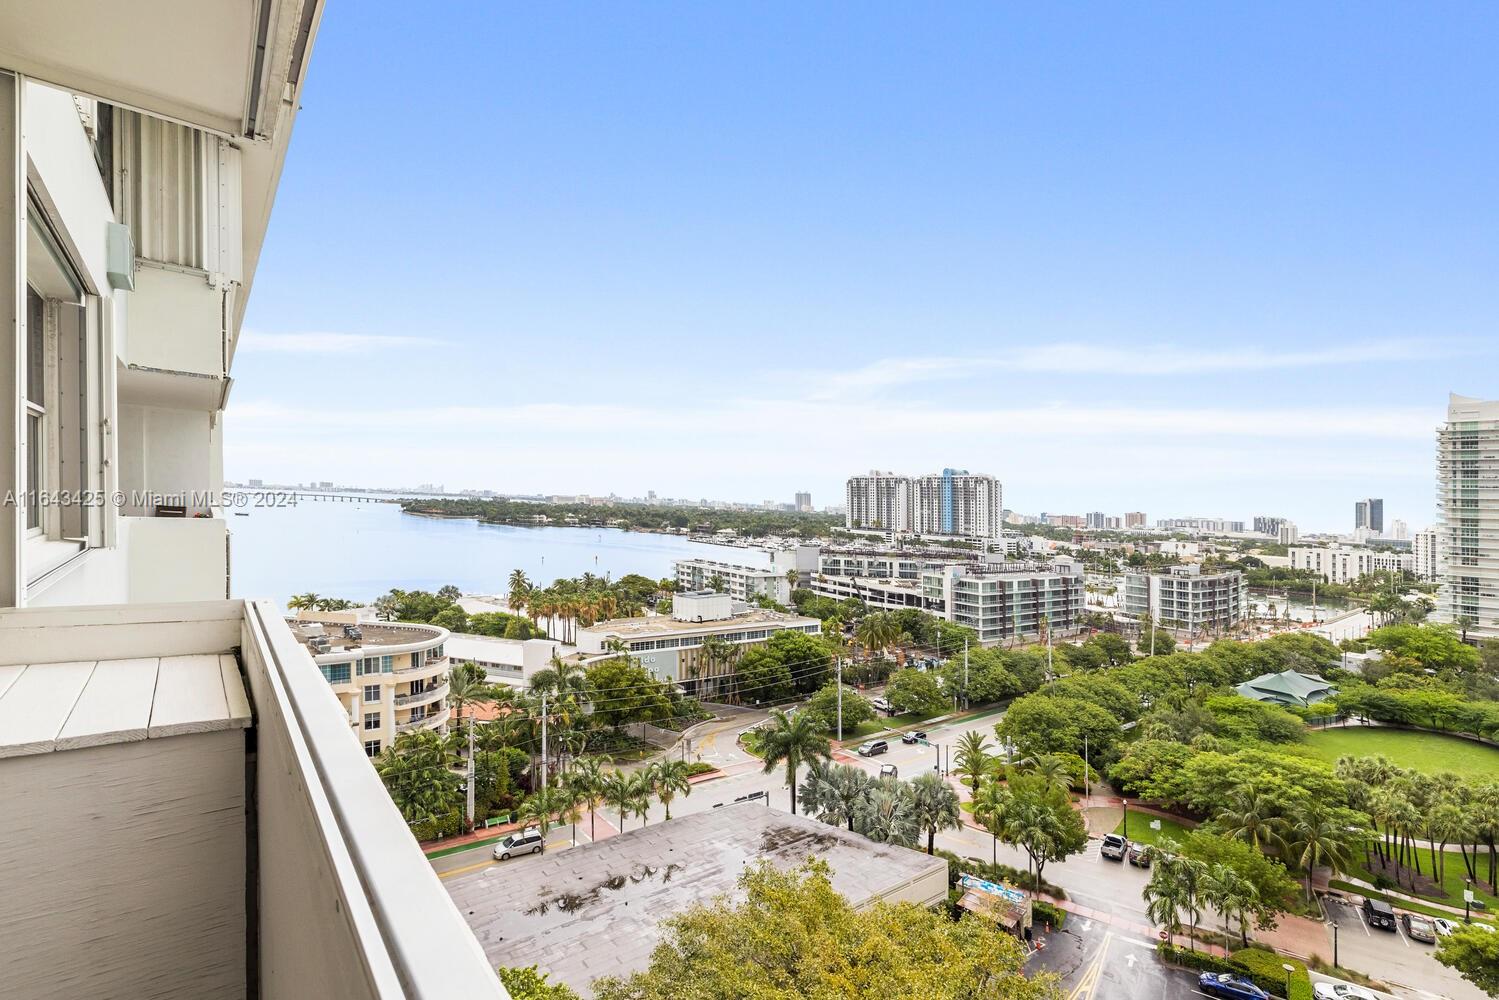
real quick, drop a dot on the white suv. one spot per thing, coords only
(524, 842)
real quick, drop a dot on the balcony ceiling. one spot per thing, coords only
(191, 60)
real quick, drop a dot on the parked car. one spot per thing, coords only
(915, 736)
(1444, 926)
(1223, 984)
(871, 748)
(1114, 847)
(888, 771)
(1341, 991)
(1379, 914)
(1139, 855)
(523, 842)
(1418, 928)
(881, 704)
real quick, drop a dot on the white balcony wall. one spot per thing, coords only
(65, 175)
(167, 451)
(176, 322)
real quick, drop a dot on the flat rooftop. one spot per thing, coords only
(667, 625)
(595, 910)
(371, 635)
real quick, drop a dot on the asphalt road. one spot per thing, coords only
(1099, 962)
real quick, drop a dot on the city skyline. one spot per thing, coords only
(1040, 243)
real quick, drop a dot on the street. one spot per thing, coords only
(1114, 940)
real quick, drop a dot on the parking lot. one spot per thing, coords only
(1408, 966)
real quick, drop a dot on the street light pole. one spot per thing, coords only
(1289, 969)
(840, 699)
(1334, 946)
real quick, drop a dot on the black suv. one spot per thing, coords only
(1378, 914)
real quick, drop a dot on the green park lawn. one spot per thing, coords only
(1453, 883)
(1141, 833)
(1429, 753)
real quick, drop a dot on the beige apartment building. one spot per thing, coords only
(390, 678)
(189, 812)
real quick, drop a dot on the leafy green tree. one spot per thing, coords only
(808, 658)
(1042, 723)
(631, 693)
(935, 807)
(418, 771)
(763, 677)
(528, 983)
(1474, 953)
(824, 705)
(793, 741)
(915, 691)
(794, 937)
(1039, 819)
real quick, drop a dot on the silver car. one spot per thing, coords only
(518, 843)
(1341, 991)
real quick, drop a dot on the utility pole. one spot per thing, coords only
(543, 740)
(1085, 765)
(470, 796)
(840, 699)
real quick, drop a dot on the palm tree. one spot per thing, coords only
(991, 807)
(668, 779)
(467, 683)
(618, 793)
(835, 793)
(519, 590)
(587, 782)
(715, 583)
(973, 758)
(1252, 816)
(417, 769)
(888, 816)
(1175, 888)
(715, 651)
(792, 576)
(876, 633)
(935, 807)
(542, 805)
(1051, 769)
(793, 741)
(640, 795)
(1232, 895)
(303, 602)
(1317, 839)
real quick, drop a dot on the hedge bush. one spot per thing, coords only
(699, 767)
(1043, 912)
(1199, 960)
(447, 826)
(1265, 969)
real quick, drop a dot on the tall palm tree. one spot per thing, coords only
(1317, 839)
(792, 576)
(618, 793)
(303, 602)
(519, 590)
(992, 807)
(543, 805)
(640, 795)
(1232, 895)
(934, 806)
(793, 741)
(1171, 891)
(973, 760)
(587, 782)
(467, 684)
(668, 779)
(876, 633)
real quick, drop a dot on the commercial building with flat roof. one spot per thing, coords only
(596, 910)
(670, 646)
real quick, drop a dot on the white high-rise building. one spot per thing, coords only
(957, 502)
(1468, 503)
(1426, 554)
(879, 501)
(952, 502)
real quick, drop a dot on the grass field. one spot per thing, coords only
(1429, 753)
(1141, 833)
(1453, 884)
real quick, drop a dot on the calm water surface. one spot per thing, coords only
(361, 550)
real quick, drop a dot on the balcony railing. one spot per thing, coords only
(345, 903)
(422, 697)
(430, 721)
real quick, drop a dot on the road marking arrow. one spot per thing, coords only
(1087, 925)
(1130, 959)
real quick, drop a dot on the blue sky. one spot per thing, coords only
(1179, 258)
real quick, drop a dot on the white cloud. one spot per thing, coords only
(320, 342)
(1070, 358)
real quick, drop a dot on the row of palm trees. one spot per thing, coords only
(587, 786)
(570, 604)
(1182, 887)
(317, 602)
(886, 810)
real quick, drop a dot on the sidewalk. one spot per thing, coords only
(1145, 931)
